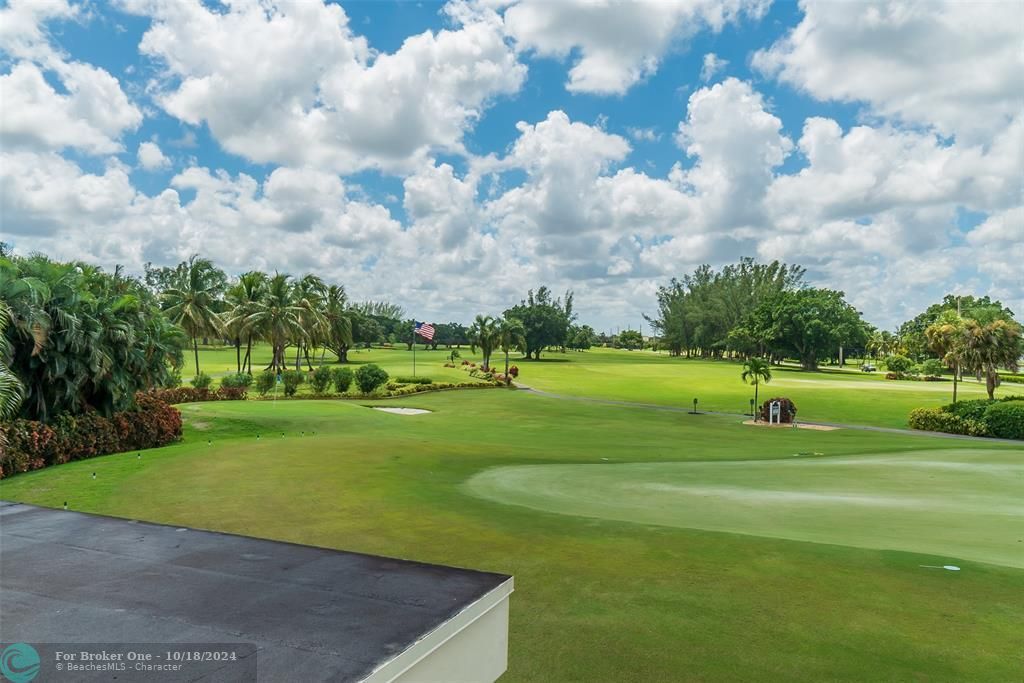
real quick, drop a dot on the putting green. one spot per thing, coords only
(954, 504)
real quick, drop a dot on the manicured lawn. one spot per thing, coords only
(599, 598)
(832, 394)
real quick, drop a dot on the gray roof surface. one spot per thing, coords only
(314, 613)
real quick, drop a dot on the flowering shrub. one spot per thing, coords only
(787, 409)
(32, 445)
(513, 371)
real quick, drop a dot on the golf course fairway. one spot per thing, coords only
(954, 504)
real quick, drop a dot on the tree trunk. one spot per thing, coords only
(195, 348)
(956, 374)
(238, 355)
(756, 406)
(248, 354)
(507, 380)
(990, 384)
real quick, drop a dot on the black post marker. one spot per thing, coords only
(93, 475)
(65, 505)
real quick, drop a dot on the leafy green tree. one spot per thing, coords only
(806, 323)
(581, 337)
(629, 340)
(192, 301)
(546, 320)
(698, 313)
(988, 347)
(511, 335)
(483, 335)
(309, 294)
(755, 371)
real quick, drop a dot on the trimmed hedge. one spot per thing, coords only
(33, 445)
(938, 420)
(1003, 418)
(1006, 419)
(193, 395)
(413, 380)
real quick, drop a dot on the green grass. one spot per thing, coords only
(833, 395)
(972, 504)
(599, 598)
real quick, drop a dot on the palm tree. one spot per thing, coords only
(242, 297)
(990, 347)
(338, 317)
(946, 337)
(755, 371)
(276, 317)
(483, 333)
(511, 335)
(192, 303)
(11, 391)
(309, 297)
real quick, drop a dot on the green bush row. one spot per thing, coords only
(1002, 418)
(413, 380)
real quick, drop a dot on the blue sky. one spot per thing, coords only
(451, 156)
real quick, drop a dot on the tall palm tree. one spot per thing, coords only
(990, 347)
(310, 292)
(483, 334)
(511, 335)
(242, 298)
(338, 317)
(755, 371)
(277, 317)
(946, 337)
(193, 302)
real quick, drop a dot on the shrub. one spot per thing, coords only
(932, 367)
(240, 380)
(33, 445)
(1005, 419)
(320, 379)
(173, 379)
(201, 381)
(891, 375)
(901, 365)
(342, 378)
(413, 380)
(265, 381)
(513, 371)
(291, 380)
(231, 394)
(969, 410)
(369, 377)
(938, 420)
(787, 410)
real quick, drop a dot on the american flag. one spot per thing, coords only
(425, 330)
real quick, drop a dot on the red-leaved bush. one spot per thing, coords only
(177, 395)
(33, 445)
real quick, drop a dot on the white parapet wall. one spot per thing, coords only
(471, 647)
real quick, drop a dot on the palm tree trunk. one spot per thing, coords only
(507, 380)
(248, 354)
(956, 373)
(195, 348)
(238, 355)
(756, 406)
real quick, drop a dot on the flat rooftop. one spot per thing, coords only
(313, 613)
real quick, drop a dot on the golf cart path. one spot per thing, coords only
(840, 425)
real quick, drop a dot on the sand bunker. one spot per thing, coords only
(403, 411)
(800, 425)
